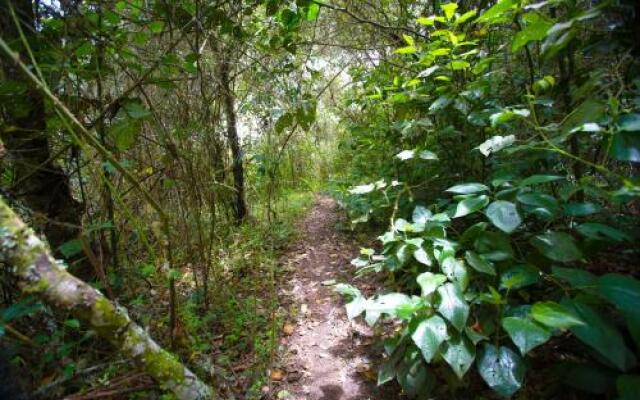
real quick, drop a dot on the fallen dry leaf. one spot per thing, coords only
(276, 374)
(288, 329)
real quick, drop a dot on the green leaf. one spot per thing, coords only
(312, 11)
(526, 334)
(465, 17)
(594, 230)
(535, 28)
(577, 278)
(538, 179)
(455, 271)
(347, 290)
(449, 9)
(471, 205)
(459, 353)
(409, 40)
(390, 303)
(458, 65)
(480, 264)
(405, 154)
(598, 333)
(498, 11)
(421, 215)
(581, 209)
(626, 146)
(555, 315)
(356, 307)
(440, 103)
(557, 246)
(156, 26)
(136, 110)
(621, 291)
(629, 123)
(495, 144)
(519, 276)
(422, 257)
(429, 335)
(72, 323)
(453, 306)
(504, 215)
(493, 246)
(71, 248)
(429, 282)
(427, 155)
(406, 50)
(541, 204)
(124, 133)
(468, 188)
(502, 369)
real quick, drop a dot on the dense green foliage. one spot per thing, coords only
(504, 147)
(165, 150)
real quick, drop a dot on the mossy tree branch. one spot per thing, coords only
(39, 273)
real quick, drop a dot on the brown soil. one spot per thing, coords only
(326, 356)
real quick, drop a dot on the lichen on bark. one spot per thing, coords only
(38, 272)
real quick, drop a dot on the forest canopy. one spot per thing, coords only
(158, 158)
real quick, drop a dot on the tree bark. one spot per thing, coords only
(38, 182)
(240, 206)
(38, 273)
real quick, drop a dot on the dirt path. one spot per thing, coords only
(326, 356)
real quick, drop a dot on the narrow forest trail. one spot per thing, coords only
(326, 354)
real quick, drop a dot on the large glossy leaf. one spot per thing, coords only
(629, 123)
(597, 231)
(535, 28)
(526, 334)
(429, 282)
(471, 205)
(555, 315)
(453, 306)
(495, 144)
(479, 263)
(455, 271)
(497, 12)
(621, 291)
(429, 335)
(449, 9)
(541, 204)
(504, 215)
(519, 276)
(493, 246)
(468, 188)
(577, 278)
(557, 246)
(422, 257)
(626, 146)
(538, 179)
(581, 209)
(459, 353)
(421, 215)
(502, 369)
(600, 334)
(124, 133)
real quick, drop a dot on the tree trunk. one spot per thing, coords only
(240, 207)
(38, 273)
(37, 181)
